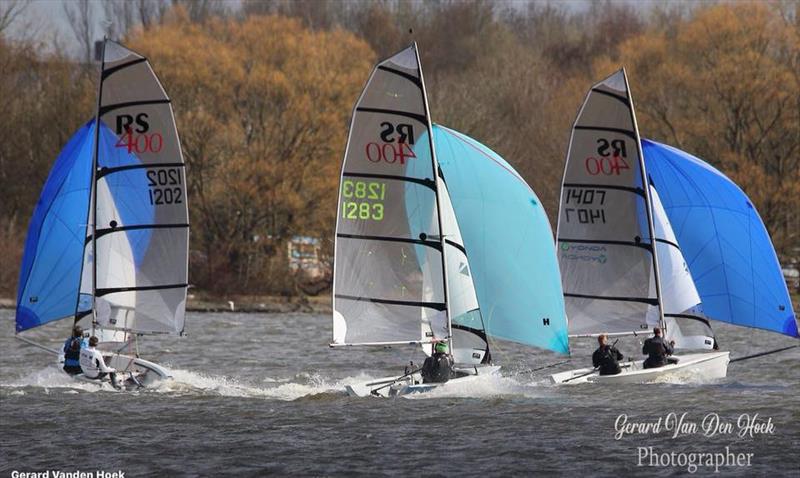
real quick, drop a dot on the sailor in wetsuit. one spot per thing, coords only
(438, 368)
(93, 364)
(606, 357)
(658, 350)
(72, 351)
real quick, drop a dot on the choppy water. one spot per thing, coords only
(263, 394)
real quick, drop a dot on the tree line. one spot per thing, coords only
(263, 91)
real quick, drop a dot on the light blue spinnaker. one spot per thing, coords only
(724, 241)
(509, 243)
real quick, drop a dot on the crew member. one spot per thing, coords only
(438, 368)
(606, 357)
(657, 350)
(93, 364)
(72, 351)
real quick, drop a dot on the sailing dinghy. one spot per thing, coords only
(107, 245)
(713, 257)
(426, 225)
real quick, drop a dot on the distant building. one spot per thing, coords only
(305, 257)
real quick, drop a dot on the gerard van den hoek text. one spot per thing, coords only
(68, 474)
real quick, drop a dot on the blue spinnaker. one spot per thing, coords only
(509, 243)
(50, 273)
(724, 242)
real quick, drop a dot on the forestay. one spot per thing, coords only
(726, 246)
(389, 284)
(141, 228)
(507, 237)
(605, 246)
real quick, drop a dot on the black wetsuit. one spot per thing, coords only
(657, 350)
(607, 358)
(437, 368)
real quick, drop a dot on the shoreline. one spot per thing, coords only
(244, 304)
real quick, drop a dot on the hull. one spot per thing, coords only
(391, 387)
(691, 368)
(133, 373)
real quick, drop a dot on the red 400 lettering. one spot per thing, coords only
(140, 143)
(607, 165)
(389, 152)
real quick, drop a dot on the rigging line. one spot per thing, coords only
(104, 171)
(761, 354)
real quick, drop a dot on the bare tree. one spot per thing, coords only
(10, 10)
(80, 16)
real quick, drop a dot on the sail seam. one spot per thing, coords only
(115, 106)
(433, 244)
(104, 171)
(102, 232)
(626, 132)
(620, 299)
(405, 75)
(430, 305)
(425, 182)
(111, 290)
(407, 114)
(638, 191)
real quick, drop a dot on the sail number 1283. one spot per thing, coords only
(363, 200)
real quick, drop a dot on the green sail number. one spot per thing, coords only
(363, 200)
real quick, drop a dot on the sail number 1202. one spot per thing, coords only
(165, 186)
(363, 200)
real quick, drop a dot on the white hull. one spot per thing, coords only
(132, 372)
(391, 387)
(700, 367)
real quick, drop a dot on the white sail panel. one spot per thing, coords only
(389, 270)
(605, 250)
(468, 341)
(684, 321)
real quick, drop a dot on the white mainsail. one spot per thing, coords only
(605, 248)
(138, 242)
(389, 272)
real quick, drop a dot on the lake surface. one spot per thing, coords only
(258, 394)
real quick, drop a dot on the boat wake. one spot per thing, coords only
(303, 386)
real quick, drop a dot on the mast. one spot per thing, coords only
(436, 170)
(93, 201)
(648, 208)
